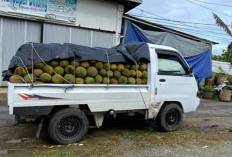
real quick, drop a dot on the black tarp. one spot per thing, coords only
(131, 52)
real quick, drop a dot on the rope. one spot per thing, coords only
(32, 61)
(107, 56)
(74, 69)
(47, 64)
(22, 79)
(138, 87)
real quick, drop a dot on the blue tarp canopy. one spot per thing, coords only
(197, 54)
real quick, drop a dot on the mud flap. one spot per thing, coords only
(154, 109)
(98, 118)
(37, 135)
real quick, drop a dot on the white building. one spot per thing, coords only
(84, 22)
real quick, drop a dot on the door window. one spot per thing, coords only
(170, 65)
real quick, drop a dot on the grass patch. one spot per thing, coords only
(107, 142)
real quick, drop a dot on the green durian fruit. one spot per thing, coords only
(102, 72)
(69, 78)
(20, 71)
(120, 67)
(144, 81)
(134, 67)
(39, 65)
(85, 64)
(38, 72)
(139, 74)
(113, 81)
(75, 63)
(133, 73)
(89, 80)
(122, 80)
(48, 69)
(16, 79)
(143, 67)
(81, 72)
(106, 66)
(46, 78)
(117, 74)
(69, 69)
(80, 80)
(92, 71)
(113, 67)
(54, 63)
(144, 74)
(59, 70)
(98, 78)
(106, 80)
(138, 81)
(29, 78)
(64, 63)
(109, 73)
(99, 65)
(29, 68)
(126, 72)
(57, 79)
(131, 80)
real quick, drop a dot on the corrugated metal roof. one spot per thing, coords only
(163, 28)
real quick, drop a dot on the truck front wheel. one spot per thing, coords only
(170, 117)
(68, 126)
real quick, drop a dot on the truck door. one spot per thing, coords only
(174, 82)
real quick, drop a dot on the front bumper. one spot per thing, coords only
(197, 103)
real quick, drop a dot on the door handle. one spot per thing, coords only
(162, 80)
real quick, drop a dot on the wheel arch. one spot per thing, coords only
(82, 107)
(175, 102)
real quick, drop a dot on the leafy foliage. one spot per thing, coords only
(226, 56)
(208, 88)
(221, 70)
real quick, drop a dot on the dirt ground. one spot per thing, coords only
(206, 132)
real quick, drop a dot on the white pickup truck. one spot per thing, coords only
(171, 91)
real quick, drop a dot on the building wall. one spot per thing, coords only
(98, 23)
(227, 67)
(14, 33)
(77, 36)
(102, 15)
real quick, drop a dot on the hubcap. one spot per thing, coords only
(69, 127)
(172, 117)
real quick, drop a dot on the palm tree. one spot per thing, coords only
(221, 24)
(227, 55)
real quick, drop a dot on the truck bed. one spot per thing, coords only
(99, 97)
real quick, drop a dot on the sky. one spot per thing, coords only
(184, 10)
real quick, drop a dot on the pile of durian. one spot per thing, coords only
(69, 71)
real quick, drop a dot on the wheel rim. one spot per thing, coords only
(69, 127)
(172, 117)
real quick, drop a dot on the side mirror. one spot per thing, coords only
(190, 70)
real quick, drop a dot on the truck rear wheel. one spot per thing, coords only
(170, 117)
(68, 126)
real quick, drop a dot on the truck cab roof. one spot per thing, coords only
(162, 47)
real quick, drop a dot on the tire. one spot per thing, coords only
(170, 117)
(68, 126)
